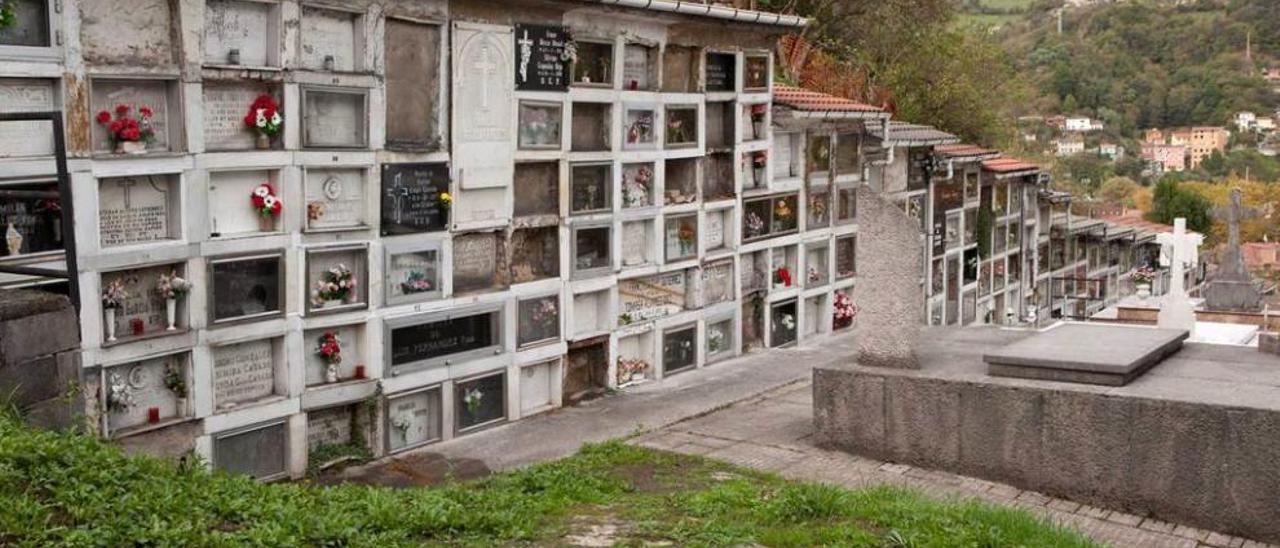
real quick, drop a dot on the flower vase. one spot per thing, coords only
(331, 373)
(1144, 291)
(263, 142)
(757, 129)
(110, 323)
(758, 172)
(266, 223)
(130, 147)
(332, 303)
(171, 313)
(180, 404)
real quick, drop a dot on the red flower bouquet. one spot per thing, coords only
(128, 132)
(265, 200)
(782, 276)
(264, 116)
(330, 347)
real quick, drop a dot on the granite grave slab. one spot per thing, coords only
(1091, 354)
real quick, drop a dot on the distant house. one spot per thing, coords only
(1056, 122)
(1153, 136)
(1261, 256)
(1165, 158)
(1180, 137)
(1082, 124)
(1205, 141)
(1272, 75)
(1110, 150)
(1246, 121)
(1068, 146)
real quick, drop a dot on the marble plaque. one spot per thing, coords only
(21, 139)
(349, 339)
(225, 106)
(484, 104)
(260, 452)
(637, 67)
(717, 283)
(411, 198)
(329, 39)
(475, 262)
(713, 236)
(448, 337)
(141, 34)
(535, 254)
(635, 243)
(336, 198)
(230, 210)
(144, 307)
(413, 65)
(135, 94)
(590, 312)
(133, 210)
(414, 419)
(31, 26)
(332, 426)
(141, 385)
(243, 372)
(543, 63)
(651, 297)
(412, 275)
(244, 26)
(334, 118)
(537, 384)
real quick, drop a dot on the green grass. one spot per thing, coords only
(58, 489)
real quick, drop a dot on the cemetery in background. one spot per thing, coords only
(308, 233)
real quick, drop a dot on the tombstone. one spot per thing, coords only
(721, 72)
(477, 262)
(30, 26)
(652, 297)
(713, 235)
(591, 313)
(411, 198)
(412, 272)
(230, 211)
(636, 243)
(418, 343)
(260, 451)
(135, 94)
(330, 40)
(535, 254)
(414, 419)
(639, 69)
(333, 426)
(336, 198)
(717, 282)
(1176, 311)
(543, 60)
(1231, 287)
(537, 386)
(225, 105)
(243, 373)
(480, 402)
(325, 269)
(240, 32)
(134, 210)
(246, 288)
(133, 390)
(143, 311)
(540, 124)
(679, 349)
(412, 66)
(537, 190)
(24, 139)
(142, 35)
(889, 296)
(484, 104)
(334, 118)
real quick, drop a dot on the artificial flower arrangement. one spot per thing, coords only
(715, 341)
(472, 399)
(175, 381)
(338, 284)
(631, 369)
(635, 189)
(264, 119)
(329, 347)
(1144, 275)
(687, 238)
(783, 216)
(113, 295)
(755, 225)
(815, 275)
(758, 112)
(782, 276)
(119, 395)
(416, 282)
(129, 133)
(445, 201)
(172, 286)
(546, 311)
(266, 202)
(843, 310)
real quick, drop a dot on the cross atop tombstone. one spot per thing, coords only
(1176, 311)
(1231, 287)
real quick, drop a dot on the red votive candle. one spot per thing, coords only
(359, 371)
(153, 415)
(138, 326)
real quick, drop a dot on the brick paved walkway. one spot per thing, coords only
(772, 433)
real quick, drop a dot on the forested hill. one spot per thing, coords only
(1148, 63)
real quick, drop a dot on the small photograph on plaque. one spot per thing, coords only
(480, 402)
(639, 67)
(412, 272)
(261, 451)
(337, 279)
(681, 182)
(782, 322)
(32, 222)
(145, 393)
(721, 72)
(593, 63)
(479, 262)
(719, 339)
(336, 198)
(334, 118)
(681, 237)
(537, 190)
(535, 254)
(539, 320)
(590, 188)
(138, 210)
(591, 127)
(682, 126)
(679, 349)
(247, 372)
(639, 128)
(539, 124)
(420, 342)
(755, 72)
(414, 419)
(245, 288)
(413, 198)
(637, 185)
(592, 250)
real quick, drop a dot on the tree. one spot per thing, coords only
(1119, 190)
(1171, 201)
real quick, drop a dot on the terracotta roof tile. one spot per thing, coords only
(812, 101)
(1008, 165)
(962, 150)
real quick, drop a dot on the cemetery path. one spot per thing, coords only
(773, 431)
(560, 433)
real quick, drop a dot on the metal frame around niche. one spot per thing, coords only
(393, 248)
(495, 312)
(387, 427)
(281, 287)
(362, 286)
(288, 450)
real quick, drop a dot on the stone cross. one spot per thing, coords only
(1231, 287)
(487, 68)
(1176, 311)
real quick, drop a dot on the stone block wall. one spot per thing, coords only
(40, 357)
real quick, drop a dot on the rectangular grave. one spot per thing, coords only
(819, 149)
(483, 104)
(132, 390)
(25, 139)
(480, 402)
(817, 265)
(414, 419)
(539, 125)
(231, 210)
(412, 272)
(680, 69)
(337, 279)
(586, 374)
(652, 297)
(1091, 354)
(681, 237)
(350, 340)
(245, 373)
(225, 106)
(157, 95)
(592, 250)
(591, 188)
(334, 118)
(639, 128)
(544, 58)
(411, 198)
(783, 322)
(591, 312)
(786, 155)
(334, 427)
(679, 349)
(639, 67)
(135, 210)
(241, 33)
(593, 64)
(31, 25)
(336, 198)
(717, 283)
(721, 72)
(143, 311)
(538, 320)
(717, 177)
(535, 254)
(537, 189)
(244, 288)
(419, 343)
(714, 237)
(719, 339)
(142, 35)
(637, 185)
(818, 208)
(332, 40)
(720, 125)
(681, 181)
(755, 72)
(682, 126)
(478, 262)
(36, 220)
(755, 271)
(537, 386)
(591, 127)
(848, 155)
(412, 84)
(261, 452)
(814, 314)
(637, 243)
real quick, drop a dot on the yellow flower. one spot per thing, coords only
(445, 198)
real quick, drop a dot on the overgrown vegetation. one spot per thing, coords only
(61, 489)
